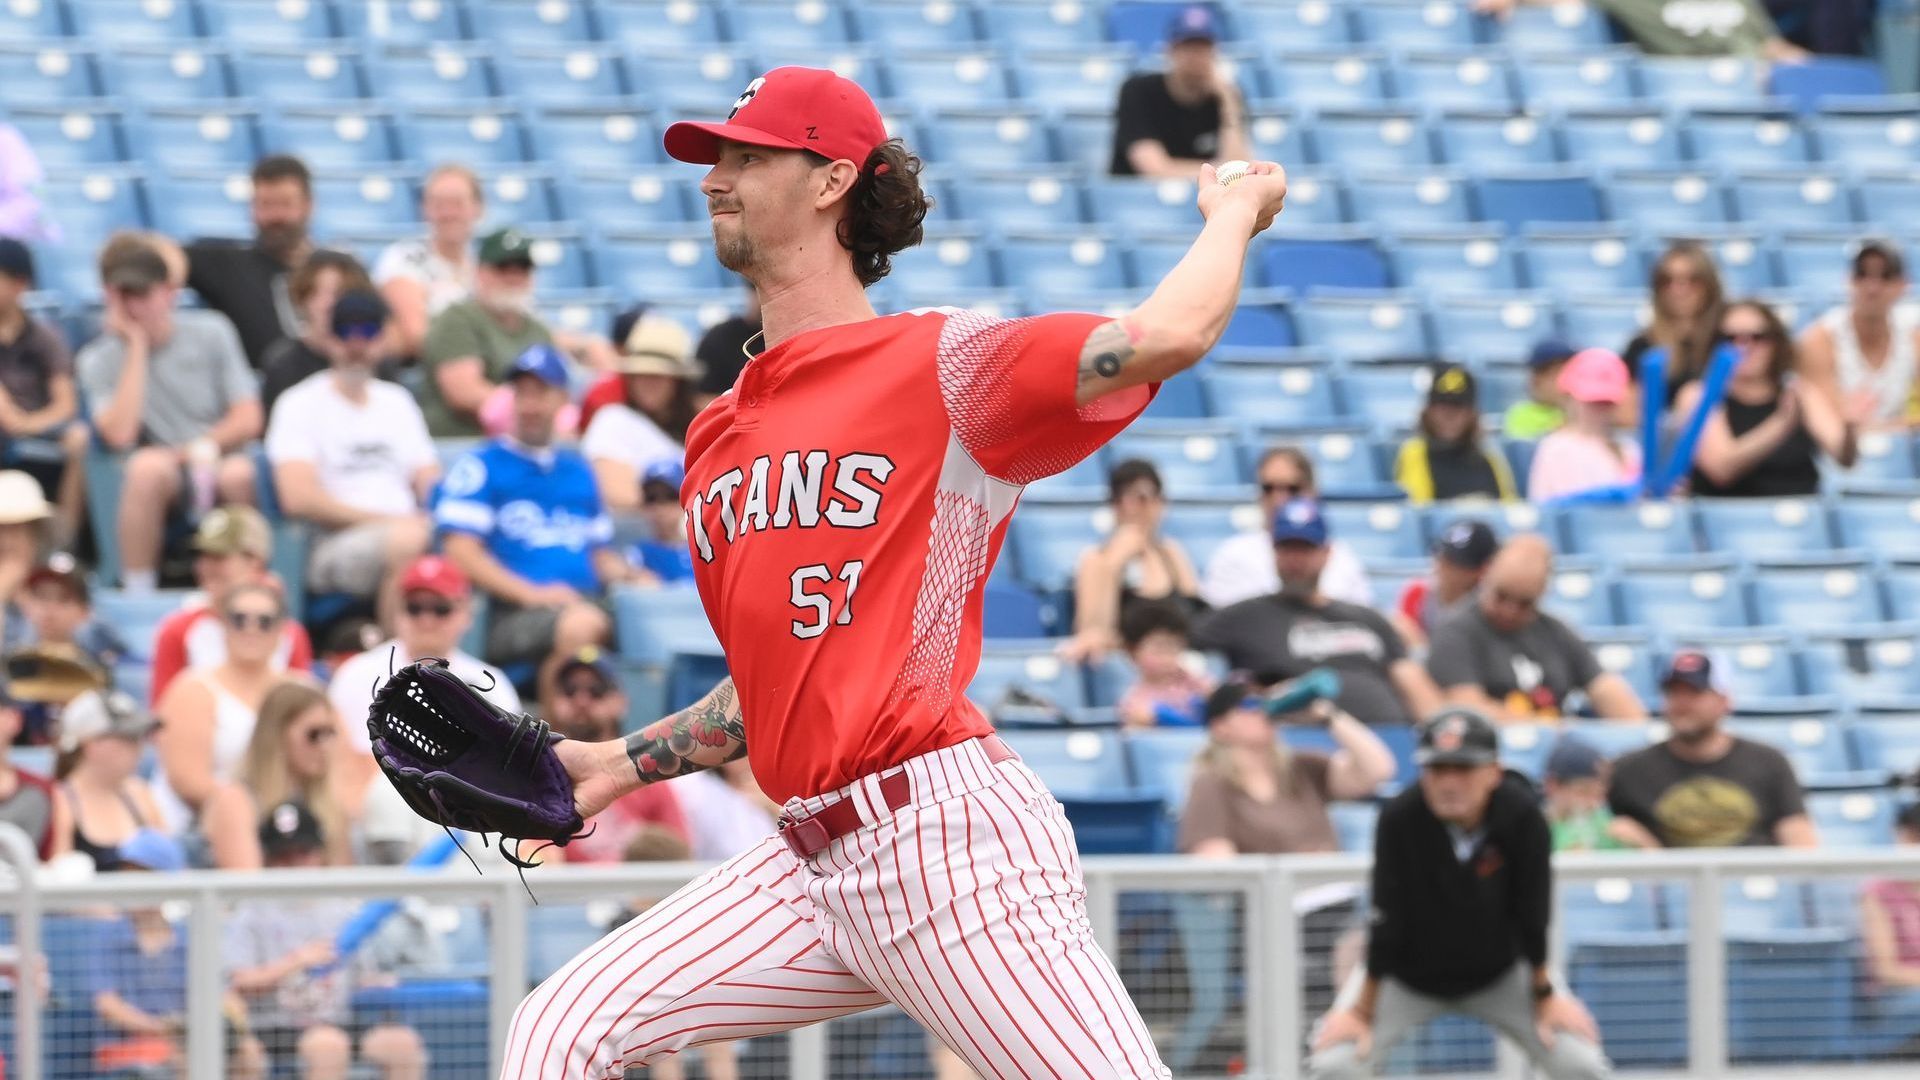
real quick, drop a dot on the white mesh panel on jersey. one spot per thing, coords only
(975, 357)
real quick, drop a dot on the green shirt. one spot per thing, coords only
(1694, 27)
(1531, 420)
(467, 329)
(1588, 832)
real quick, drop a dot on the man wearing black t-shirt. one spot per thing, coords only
(1167, 123)
(1286, 634)
(724, 349)
(247, 282)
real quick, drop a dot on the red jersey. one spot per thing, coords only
(844, 504)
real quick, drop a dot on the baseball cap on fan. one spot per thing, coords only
(791, 108)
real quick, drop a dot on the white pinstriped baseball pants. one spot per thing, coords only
(965, 908)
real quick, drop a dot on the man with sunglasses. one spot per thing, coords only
(1865, 354)
(1502, 655)
(1242, 566)
(351, 456)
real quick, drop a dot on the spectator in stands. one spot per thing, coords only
(435, 612)
(1704, 786)
(1167, 123)
(352, 457)
(1544, 409)
(208, 714)
(1890, 929)
(38, 402)
(23, 516)
(1577, 775)
(1689, 28)
(171, 389)
(1136, 563)
(231, 547)
(724, 351)
(247, 280)
(663, 552)
(1587, 454)
(1460, 557)
(725, 810)
(1862, 355)
(313, 288)
(291, 756)
(648, 426)
(1166, 691)
(22, 217)
(1827, 27)
(1289, 632)
(587, 703)
(58, 609)
(280, 958)
(544, 564)
(471, 346)
(1687, 298)
(43, 679)
(1503, 656)
(28, 801)
(109, 807)
(1448, 457)
(1764, 439)
(1462, 896)
(1242, 566)
(423, 277)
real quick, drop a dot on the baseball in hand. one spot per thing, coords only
(1229, 171)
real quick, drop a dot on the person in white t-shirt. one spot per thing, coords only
(420, 278)
(649, 426)
(726, 811)
(436, 609)
(352, 456)
(1865, 354)
(1242, 567)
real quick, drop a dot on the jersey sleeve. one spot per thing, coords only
(1010, 389)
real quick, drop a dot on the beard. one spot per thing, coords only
(1299, 588)
(736, 253)
(281, 241)
(510, 302)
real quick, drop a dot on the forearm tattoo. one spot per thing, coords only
(1107, 352)
(705, 735)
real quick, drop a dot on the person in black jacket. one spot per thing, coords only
(1462, 893)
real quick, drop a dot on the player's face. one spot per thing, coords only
(1693, 714)
(1300, 565)
(756, 199)
(1458, 794)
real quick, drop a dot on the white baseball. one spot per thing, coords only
(1229, 171)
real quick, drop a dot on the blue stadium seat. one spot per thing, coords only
(73, 137)
(1758, 665)
(628, 200)
(1324, 80)
(203, 205)
(1118, 824)
(1753, 527)
(302, 77)
(336, 139)
(1599, 319)
(1343, 460)
(1595, 910)
(1030, 199)
(185, 76)
(88, 205)
(1579, 596)
(119, 23)
(1374, 139)
(1144, 205)
(1011, 610)
(1270, 394)
(970, 79)
(692, 80)
(1635, 986)
(1692, 83)
(1277, 134)
(1584, 79)
(1304, 24)
(1817, 748)
(365, 203)
(1707, 596)
(1743, 254)
(572, 77)
(136, 616)
(1495, 140)
(587, 140)
(1063, 262)
(1315, 200)
(1876, 523)
(1478, 80)
(1354, 823)
(438, 76)
(1084, 138)
(1524, 748)
(1902, 584)
(1383, 326)
(652, 625)
(1386, 396)
(560, 259)
(33, 22)
(1494, 327)
(53, 75)
(948, 259)
(1748, 138)
(1642, 529)
(1161, 760)
(1414, 24)
(1261, 321)
(1519, 199)
(1142, 25)
(1455, 263)
(1666, 200)
(476, 138)
(655, 24)
(1794, 200)
(1854, 819)
(556, 23)
(1622, 138)
(408, 25)
(1804, 596)
(990, 139)
(1579, 262)
(1870, 136)
(1033, 668)
(1188, 456)
(1816, 261)
(523, 196)
(179, 140)
(1890, 196)
(1414, 200)
(1821, 79)
(1553, 28)
(1891, 743)
(271, 23)
(1329, 261)
(809, 24)
(1380, 530)
(1152, 256)
(1862, 663)
(1027, 25)
(908, 24)
(654, 262)
(1049, 537)
(1613, 738)
(1202, 525)
(1071, 80)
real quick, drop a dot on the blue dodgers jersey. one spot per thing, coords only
(538, 511)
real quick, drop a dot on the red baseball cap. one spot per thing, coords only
(433, 574)
(793, 108)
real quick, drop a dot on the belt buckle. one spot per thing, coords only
(805, 837)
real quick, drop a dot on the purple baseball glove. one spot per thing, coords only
(463, 762)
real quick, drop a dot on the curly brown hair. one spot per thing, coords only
(884, 211)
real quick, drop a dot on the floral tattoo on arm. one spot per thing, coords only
(705, 735)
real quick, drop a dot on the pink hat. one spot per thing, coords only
(1596, 376)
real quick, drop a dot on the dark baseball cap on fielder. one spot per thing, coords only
(791, 108)
(1458, 736)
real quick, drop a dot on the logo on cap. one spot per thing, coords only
(746, 96)
(1459, 534)
(1453, 381)
(1689, 662)
(1450, 735)
(1299, 512)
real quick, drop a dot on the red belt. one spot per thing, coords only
(810, 835)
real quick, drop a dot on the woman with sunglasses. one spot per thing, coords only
(1137, 562)
(1765, 438)
(1687, 298)
(292, 757)
(208, 714)
(1863, 354)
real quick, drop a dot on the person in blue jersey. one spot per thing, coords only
(522, 518)
(664, 551)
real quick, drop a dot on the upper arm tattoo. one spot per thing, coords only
(705, 735)
(1108, 351)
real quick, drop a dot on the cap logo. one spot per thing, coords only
(813, 131)
(1449, 736)
(1688, 662)
(286, 819)
(1299, 513)
(748, 94)
(1453, 381)
(1459, 534)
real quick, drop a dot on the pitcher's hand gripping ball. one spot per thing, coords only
(463, 762)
